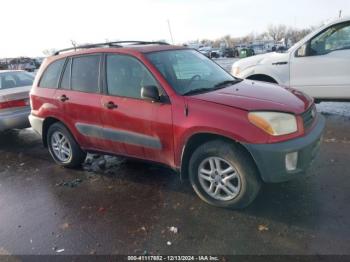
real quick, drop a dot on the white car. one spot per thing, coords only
(318, 65)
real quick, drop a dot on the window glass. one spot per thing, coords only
(65, 83)
(334, 38)
(15, 79)
(339, 40)
(126, 76)
(85, 73)
(52, 74)
(187, 70)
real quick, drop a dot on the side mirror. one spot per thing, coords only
(150, 93)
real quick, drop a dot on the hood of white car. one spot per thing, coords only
(269, 58)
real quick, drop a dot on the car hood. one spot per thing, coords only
(255, 95)
(267, 58)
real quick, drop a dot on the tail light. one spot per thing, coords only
(14, 103)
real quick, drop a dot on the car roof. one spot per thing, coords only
(127, 49)
(339, 20)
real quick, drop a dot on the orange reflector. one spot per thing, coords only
(261, 123)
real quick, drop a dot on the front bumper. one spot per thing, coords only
(14, 119)
(270, 158)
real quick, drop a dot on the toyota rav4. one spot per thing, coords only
(174, 106)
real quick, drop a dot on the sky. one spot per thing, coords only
(28, 27)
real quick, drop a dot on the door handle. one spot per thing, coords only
(63, 98)
(110, 105)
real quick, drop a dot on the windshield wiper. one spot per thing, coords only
(216, 87)
(227, 82)
(197, 91)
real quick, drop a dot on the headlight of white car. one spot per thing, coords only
(274, 123)
(235, 71)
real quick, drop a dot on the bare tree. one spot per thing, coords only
(276, 32)
(295, 35)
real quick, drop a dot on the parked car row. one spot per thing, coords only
(226, 52)
(240, 50)
(21, 63)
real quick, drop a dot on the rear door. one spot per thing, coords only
(321, 67)
(44, 96)
(135, 126)
(79, 95)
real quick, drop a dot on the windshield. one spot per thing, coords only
(15, 79)
(190, 72)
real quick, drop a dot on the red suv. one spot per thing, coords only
(174, 106)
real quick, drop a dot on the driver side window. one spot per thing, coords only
(339, 40)
(126, 76)
(334, 38)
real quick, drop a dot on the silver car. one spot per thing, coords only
(14, 99)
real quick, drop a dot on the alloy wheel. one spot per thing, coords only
(219, 179)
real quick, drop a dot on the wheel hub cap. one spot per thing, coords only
(219, 178)
(61, 147)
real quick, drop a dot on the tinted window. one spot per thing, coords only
(85, 74)
(65, 83)
(126, 76)
(52, 74)
(15, 79)
(334, 38)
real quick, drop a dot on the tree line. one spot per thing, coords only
(272, 32)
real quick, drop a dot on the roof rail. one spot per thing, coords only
(109, 44)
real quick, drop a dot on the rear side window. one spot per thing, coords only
(52, 74)
(85, 74)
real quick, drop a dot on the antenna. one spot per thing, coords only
(74, 44)
(340, 13)
(171, 35)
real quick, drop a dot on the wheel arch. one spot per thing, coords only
(194, 141)
(263, 77)
(49, 121)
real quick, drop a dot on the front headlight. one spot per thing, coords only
(235, 71)
(274, 123)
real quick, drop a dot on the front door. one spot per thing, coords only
(321, 67)
(134, 126)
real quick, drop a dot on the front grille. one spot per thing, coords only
(309, 117)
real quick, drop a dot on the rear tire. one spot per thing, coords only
(63, 148)
(238, 185)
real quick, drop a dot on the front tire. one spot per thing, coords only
(224, 175)
(63, 148)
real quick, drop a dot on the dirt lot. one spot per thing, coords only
(117, 206)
